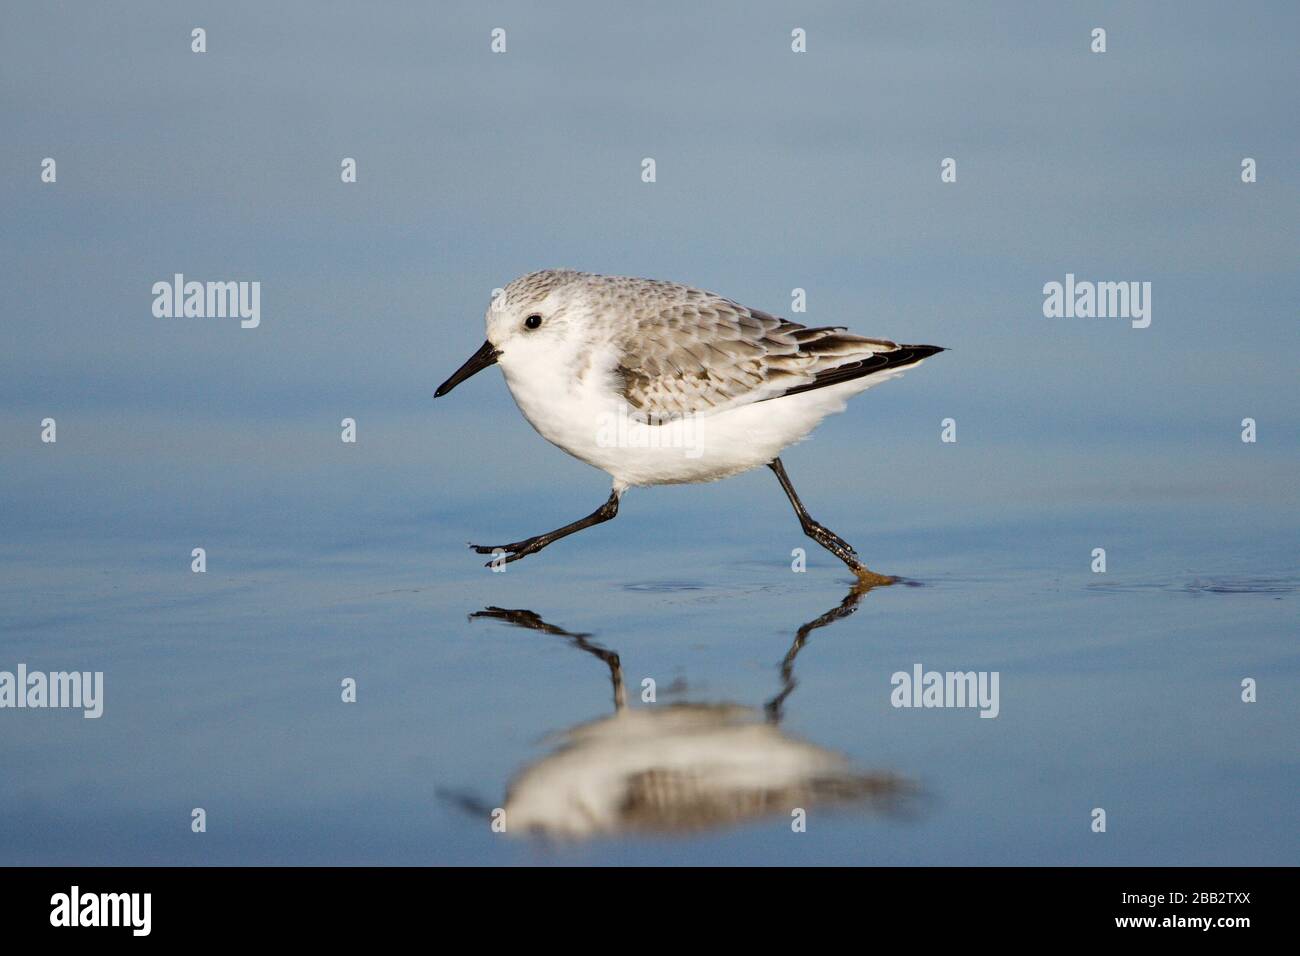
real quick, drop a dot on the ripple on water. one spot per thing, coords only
(1213, 584)
(665, 587)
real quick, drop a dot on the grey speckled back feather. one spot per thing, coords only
(688, 351)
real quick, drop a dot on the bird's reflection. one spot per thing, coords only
(682, 767)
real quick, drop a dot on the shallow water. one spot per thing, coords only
(1117, 690)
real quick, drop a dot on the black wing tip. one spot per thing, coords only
(925, 351)
(900, 357)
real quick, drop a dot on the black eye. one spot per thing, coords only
(533, 321)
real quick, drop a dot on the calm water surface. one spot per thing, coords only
(1117, 690)
(776, 172)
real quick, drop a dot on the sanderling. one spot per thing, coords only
(659, 383)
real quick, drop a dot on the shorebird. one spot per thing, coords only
(660, 383)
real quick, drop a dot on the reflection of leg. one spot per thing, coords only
(823, 535)
(788, 682)
(533, 622)
(521, 549)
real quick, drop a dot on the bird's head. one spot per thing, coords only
(535, 319)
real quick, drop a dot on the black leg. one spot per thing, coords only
(823, 535)
(521, 549)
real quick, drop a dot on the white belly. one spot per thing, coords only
(589, 420)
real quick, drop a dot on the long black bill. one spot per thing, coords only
(485, 356)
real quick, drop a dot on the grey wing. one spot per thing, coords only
(701, 353)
